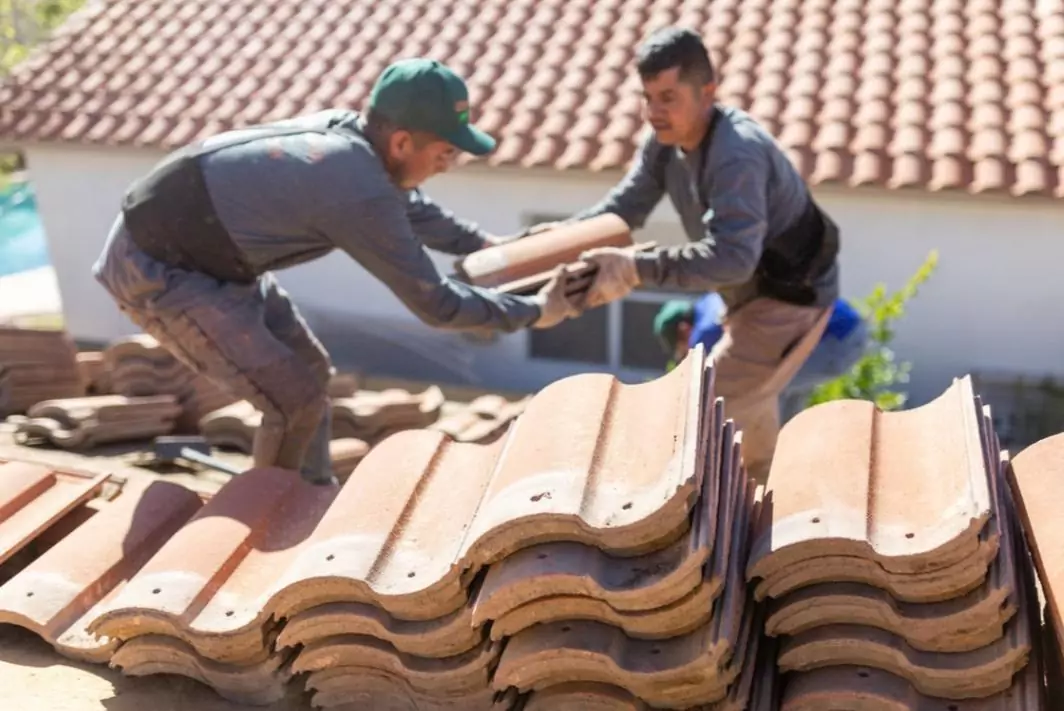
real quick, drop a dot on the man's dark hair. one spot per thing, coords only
(675, 47)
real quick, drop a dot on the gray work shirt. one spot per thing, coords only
(294, 198)
(746, 192)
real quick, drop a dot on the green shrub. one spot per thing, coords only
(878, 374)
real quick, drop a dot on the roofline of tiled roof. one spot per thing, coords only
(919, 192)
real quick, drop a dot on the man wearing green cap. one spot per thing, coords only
(189, 259)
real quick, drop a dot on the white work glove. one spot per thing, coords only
(554, 305)
(616, 276)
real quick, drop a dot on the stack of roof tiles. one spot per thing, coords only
(93, 367)
(366, 416)
(893, 563)
(139, 366)
(36, 365)
(482, 420)
(607, 529)
(87, 422)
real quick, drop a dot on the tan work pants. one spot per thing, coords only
(765, 343)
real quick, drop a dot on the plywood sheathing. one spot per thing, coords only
(63, 589)
(590, 460)
(912, 509)
(36, 365)
(87, 422)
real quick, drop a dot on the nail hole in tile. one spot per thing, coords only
(411, 574)
(952, 707)
(329, 557)
(655, 650)
(909, 535)
(566, 628)
(816, 520)
(627, 506)
(229, 613)
(863, 674)
(156, 591)
(542, 556)
(29, 594)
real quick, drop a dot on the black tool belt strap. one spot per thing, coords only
(793, 260)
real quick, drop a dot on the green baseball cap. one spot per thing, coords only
(425, 95)
(667, 322)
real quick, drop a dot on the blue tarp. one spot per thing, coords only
(22, 242)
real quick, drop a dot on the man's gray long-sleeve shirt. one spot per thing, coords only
(746, 192)
(294, 198)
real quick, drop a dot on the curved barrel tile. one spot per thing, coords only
(331, 662)
(907, 489)
(869, 689)
(1036, 476)
(579, 696)
(217, 560)
(590, 461)
(59, 593)
(258, 683)
(445, 636)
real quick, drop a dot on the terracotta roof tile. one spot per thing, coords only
(264, 60)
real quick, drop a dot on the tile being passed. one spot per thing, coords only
(1035, 477)
(908, 490)
(59, 592)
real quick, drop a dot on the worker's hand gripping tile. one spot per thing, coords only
(683, 671)
(33, 497)
(590, 461)
(906, 490)
(206, 585)
(59, 593)
(658, 595)
(1036, 476)
(976, 673)
(259, 682)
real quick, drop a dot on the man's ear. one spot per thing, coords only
(401, 143)
(709, 94)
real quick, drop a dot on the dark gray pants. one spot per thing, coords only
(252, 340)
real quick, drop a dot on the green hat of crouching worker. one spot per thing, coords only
(667, 322)
(425, 95)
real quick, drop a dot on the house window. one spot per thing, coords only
(584, 339)
(639, 347)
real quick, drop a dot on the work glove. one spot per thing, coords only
(615, 278)
(554, 305)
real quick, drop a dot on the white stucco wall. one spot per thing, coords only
(989, 306)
